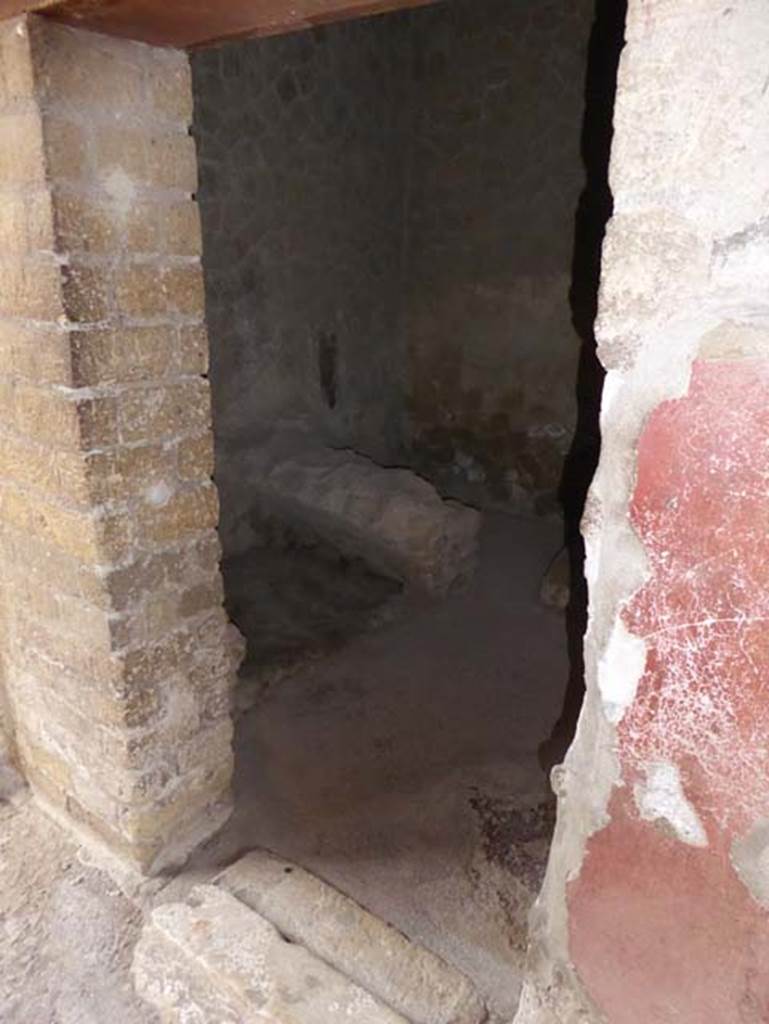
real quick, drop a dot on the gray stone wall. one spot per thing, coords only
(494, 183)
(300, 143)
(388, 215)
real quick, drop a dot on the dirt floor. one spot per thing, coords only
(66, 931)
(402, 768)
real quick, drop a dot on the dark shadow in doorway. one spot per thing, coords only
(593, 212)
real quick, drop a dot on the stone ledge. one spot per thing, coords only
(375, 955)
(215, 961)
(391, 518)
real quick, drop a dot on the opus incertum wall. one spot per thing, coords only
(115, 664)
(656, 903)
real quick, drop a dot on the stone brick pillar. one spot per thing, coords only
(656, 903)
(115, 655)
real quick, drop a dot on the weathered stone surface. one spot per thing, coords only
(212, 960)
(26, 222)
(145, 291)
(21, 155)
(663, 795)
(391, 518)
(37, 353)
(30, 286)
(117, 662)
(155, 412)
(380, 959)
(10, 780)
(16, 78)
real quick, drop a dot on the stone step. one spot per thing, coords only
(401, 974)
(213, 960)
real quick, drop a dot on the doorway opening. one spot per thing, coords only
(405, 409)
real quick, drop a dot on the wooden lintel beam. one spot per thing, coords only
(191, 23)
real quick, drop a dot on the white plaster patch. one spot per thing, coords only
(750, 858)
(612, 386)
(663, 799)
(182, 707)
(158, 494)
(620, 670)
(120, 188)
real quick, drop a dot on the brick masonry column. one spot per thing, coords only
(116, 657)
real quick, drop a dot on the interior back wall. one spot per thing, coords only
(300, 144)
(494, 181)
(388, 216)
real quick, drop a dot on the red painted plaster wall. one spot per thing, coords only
(663, 932)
